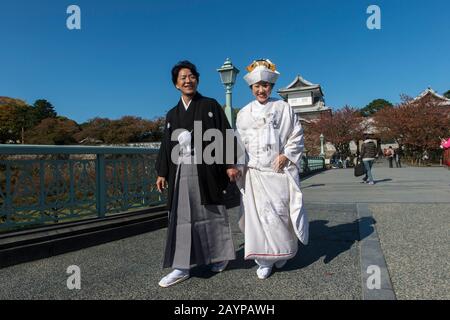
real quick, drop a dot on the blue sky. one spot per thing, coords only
(119, 62)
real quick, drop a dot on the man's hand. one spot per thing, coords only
(233, 174)
(160, 184)
(279, 163)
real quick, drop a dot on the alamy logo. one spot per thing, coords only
(74, 20)
(374, 280)
(210, 146)
(374, 20)
(74, 281)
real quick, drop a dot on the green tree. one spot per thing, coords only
(42, 109)
(447, 94)
(375, 106)
(24, 121)
(7, 122)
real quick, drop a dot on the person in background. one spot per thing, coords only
(398, 153)
(368, 155)
(445, 144)
(425, 157)
(390, 156)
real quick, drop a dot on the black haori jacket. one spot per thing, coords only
(212, 178)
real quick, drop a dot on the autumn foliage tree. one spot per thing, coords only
(415, 124)
(127, 129)
(40, 124)
(15, 117)
(124, 130)
(53, 131)
(94, 130)
(340, 129)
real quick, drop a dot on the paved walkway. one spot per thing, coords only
(403, 185)
(411, 211)
(400, 225)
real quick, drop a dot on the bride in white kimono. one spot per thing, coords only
(272, 213)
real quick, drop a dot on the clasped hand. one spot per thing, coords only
(233, 174)
(279, 163)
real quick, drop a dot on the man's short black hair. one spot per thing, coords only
(181, 65)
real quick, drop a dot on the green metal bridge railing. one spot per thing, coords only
(311, 164)
(51, 184)
(42, 185)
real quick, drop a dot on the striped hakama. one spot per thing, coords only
(197, 234)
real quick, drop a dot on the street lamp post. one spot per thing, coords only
(228, 74)
(322, 153)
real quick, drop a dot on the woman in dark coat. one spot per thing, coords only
(199, 231)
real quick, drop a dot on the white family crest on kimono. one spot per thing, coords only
(272, 203)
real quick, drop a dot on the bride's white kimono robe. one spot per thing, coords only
(272, 203)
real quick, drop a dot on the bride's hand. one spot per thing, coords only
(279, 163)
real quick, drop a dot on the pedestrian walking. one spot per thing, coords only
(390, 156)
(398, 153)
(368, 155)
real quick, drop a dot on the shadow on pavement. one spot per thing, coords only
(326, 242)
(329, 242)
(306, 175)
(382, 180)
(314, 185)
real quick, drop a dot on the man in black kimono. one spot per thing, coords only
(199, 231)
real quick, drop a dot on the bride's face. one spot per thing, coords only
(262, 91)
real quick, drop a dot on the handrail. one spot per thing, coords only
(35, 192)
(50, 149)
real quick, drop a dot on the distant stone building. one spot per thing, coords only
(305, 98)
(431, 95)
